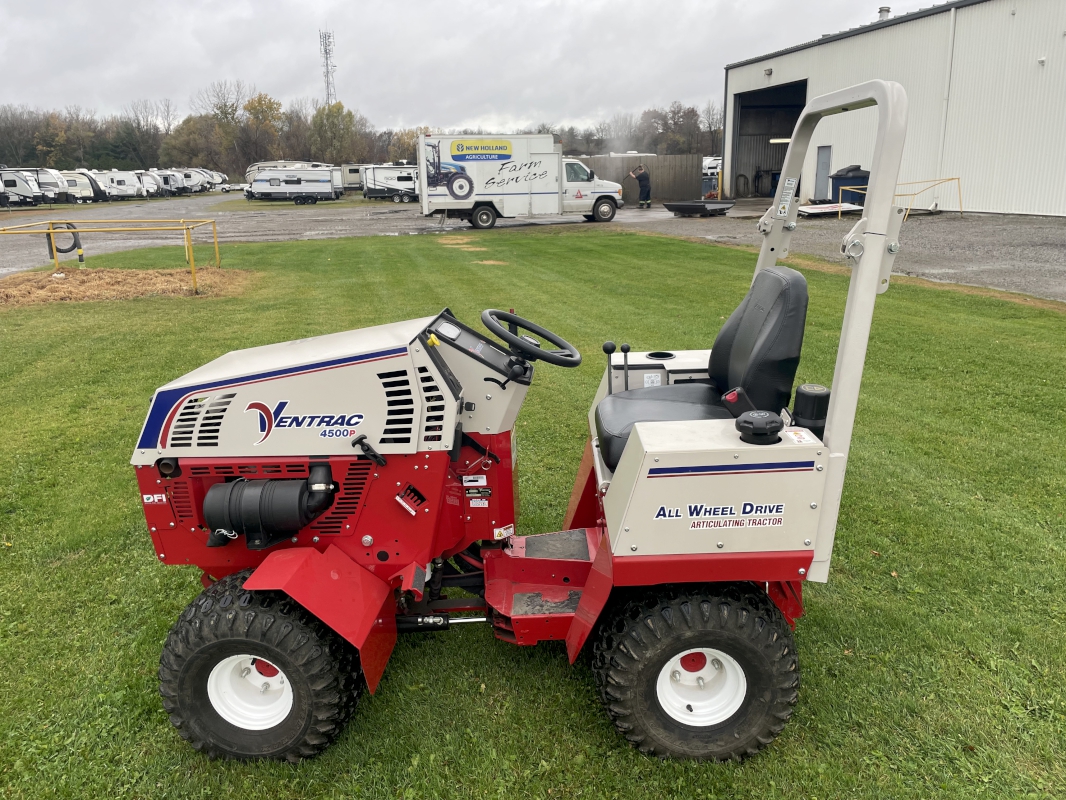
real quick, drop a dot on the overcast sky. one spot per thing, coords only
(449, 64)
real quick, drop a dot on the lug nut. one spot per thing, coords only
(675, 676)
(699, 681)
(716, 664)
(264, 688)
(245, 671)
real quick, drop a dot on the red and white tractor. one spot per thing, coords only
(337, 491)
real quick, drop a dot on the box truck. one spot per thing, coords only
(480, 178)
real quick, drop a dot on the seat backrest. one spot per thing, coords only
(759, 346)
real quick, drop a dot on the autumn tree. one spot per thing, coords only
(260, 131)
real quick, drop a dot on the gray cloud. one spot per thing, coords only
(446, 64)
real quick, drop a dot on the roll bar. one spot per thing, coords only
(870, 249)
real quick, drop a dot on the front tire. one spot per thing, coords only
(604, 210)
(396, 198)
(251, 675)
(483, 217)
(698, 672)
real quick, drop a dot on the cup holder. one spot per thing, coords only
(660, 355)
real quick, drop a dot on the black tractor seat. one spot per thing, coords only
(757, 349)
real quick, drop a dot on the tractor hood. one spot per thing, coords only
(333, 377)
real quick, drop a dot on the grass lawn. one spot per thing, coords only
(934, 660)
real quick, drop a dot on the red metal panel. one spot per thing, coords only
(584, 509)
(788, 597)
(759, 567)
(594, 597)
(343, 595)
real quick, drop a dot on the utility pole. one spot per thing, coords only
(325, 46)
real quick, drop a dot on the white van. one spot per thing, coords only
(302, 186)
(480, 178)
(382, 182)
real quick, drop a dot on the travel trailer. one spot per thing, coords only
(79, 188)
(121, 185)
(171, 181)
(20, 188)
(257, 167)
(302, 186)
(383, 182)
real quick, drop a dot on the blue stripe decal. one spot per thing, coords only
(673, 472)
(164, 401)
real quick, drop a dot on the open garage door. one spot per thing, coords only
(760, 116)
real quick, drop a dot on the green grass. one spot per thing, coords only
(239, 203)
(934, 662)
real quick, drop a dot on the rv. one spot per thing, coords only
(79, 187)
(480, 178)
(52, 184)
(170, 181)
(352, 177)
(194, 180)
(101, 194)
(259, 166)
(302, 186)
(20, 189)
(121, 185)
(151, 184)
(398, 183)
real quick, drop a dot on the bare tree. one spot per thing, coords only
(223, 100)
(168, 115)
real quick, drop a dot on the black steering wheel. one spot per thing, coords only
(565, 354)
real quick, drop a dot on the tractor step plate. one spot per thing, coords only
(533, 585)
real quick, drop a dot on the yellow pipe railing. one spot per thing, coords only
(50, 228)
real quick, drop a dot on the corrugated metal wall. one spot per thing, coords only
(1005, 113)
(672, 177)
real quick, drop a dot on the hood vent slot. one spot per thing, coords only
(200, 420)
(348, 500)
(399, 418)
(434, 406)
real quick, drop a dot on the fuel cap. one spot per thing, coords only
(760, 427)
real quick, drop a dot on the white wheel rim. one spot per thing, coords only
(246, 697)
(701, 687)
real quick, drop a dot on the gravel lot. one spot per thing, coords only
(1014, 253)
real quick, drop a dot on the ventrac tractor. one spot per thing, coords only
(341, 490)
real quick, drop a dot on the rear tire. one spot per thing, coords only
(396, 198)
(604, 210)
(654, 651)
(483, 218)
(251, 675)
(406, 198)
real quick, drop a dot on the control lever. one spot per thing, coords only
(518, 369)
(609, 348)
(625, 364)
(368, 450)
(737, 402)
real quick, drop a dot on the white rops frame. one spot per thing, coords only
(870, 248)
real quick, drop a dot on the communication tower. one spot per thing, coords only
(325, 46)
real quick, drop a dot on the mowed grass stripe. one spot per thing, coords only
(944, 679)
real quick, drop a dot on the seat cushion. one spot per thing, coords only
(617, 413)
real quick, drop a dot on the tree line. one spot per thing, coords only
(232, 125)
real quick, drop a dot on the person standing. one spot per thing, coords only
(644, 182)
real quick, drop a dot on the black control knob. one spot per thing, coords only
(608, 347)
(760, 427)
(811, 408)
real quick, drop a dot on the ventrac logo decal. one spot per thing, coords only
(332, 425)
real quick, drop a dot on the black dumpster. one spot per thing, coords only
(853, 175)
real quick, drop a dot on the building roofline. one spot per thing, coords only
(873, 26)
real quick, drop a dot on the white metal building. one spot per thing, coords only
(986, 83)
